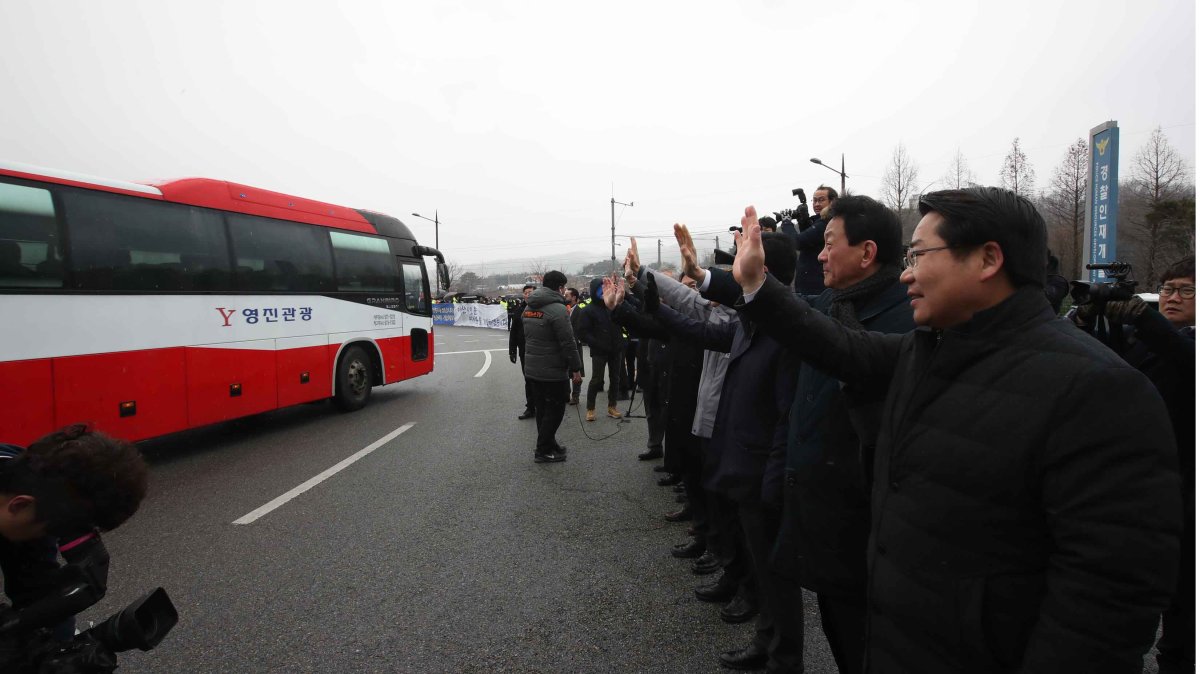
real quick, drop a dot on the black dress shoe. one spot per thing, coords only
(549, 458)
(562, 449)
(719, 592)
(678, 489)
(651, 454)
(706, 564)
(660, 469)
(527, 414)
(753, 656)
(670, 480)
(681, 515)
(739, 610)
(689, 550)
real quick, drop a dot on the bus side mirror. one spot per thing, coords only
(443, 273)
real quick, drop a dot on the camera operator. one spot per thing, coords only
(809, 234)
(54, 498)
(1163, 347)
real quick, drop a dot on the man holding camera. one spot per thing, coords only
(1163, 347)
(54, 496)
(1025, 501)
(809, 236)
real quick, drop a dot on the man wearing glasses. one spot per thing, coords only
(1025, 499)
(1164, 349)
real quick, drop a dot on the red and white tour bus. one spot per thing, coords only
(146, 309)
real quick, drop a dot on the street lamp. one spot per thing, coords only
(842, 173)
(434, 220)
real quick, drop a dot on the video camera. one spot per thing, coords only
(27, 639)
(1086, 292)
(141, 625)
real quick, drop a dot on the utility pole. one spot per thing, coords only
(660, 254)
(613, 211)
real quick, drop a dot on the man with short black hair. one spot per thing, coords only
(553, 359)
(810, 239)
(54, 498)
(516, 347)
(1025, 504)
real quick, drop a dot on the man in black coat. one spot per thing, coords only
(750, 430)
(810, 239)
(606, 346)
(1163, 347)
(516, 347)
(1025, 503)
(822, 539)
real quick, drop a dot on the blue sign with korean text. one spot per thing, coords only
(443, 314)
(1103, 207)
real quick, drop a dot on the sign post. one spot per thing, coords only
(1100, 217)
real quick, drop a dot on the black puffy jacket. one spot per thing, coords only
(1025, 507)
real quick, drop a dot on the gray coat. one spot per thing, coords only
(550, 351)
(712, 376)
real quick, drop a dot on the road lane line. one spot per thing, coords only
(487, 362)
(284, 498)
(452, 353)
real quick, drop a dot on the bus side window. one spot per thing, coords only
(121, 242)
(415, 291)
(278, 255)
(29, 250)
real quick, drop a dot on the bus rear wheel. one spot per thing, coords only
(353, 379)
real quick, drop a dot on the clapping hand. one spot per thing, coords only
(614, 291)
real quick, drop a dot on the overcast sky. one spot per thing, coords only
(517, 121)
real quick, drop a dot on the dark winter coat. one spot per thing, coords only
(822, 540)
(1025, 505)
(596, 328)
(810, 279)
(550, 351)
(750, 430)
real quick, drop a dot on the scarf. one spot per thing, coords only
(847, 301)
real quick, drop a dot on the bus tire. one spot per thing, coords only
(353, 379)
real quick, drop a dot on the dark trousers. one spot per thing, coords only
(760, 524)
(654, 389)
(528, 386)
(576, 385)
(550, 403)
(1177, 647)
(629, 367)
(601, 361)
(844, 620)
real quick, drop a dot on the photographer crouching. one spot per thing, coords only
(55, 498)
(1162, 345)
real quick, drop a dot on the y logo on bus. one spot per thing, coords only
(226, 316)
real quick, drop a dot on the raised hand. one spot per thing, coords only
(687, 253)
(748, 265)
(633, 262)
(614, 291)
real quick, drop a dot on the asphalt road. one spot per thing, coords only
(447, 549)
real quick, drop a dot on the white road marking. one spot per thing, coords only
(487, 362)
(470, 341)
(263, 510)
(452, 353)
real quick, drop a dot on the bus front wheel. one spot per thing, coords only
(353, 379)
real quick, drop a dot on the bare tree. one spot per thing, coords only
(959, 175)
(1017, 173)
(1065, 205)
(1160, 177)
(899, 180)
(538, 269)
(454, 270)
